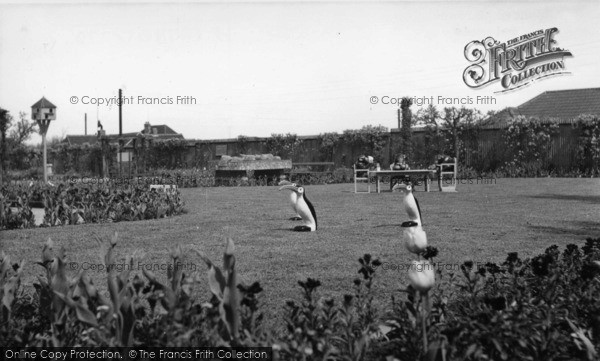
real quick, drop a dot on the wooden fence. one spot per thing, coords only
(488, 152)
(490, 144)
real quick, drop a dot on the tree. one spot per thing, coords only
(284, 145)
(406, 131)
(55, 141)
(15, 153)
(22, 130)
(242, 142)
(5, 120)
(429, 116)
(370, 140)
(450, 126)
(327, 143)
(457, 120)
(435, 140)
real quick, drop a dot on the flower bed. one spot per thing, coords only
(543, 308)
(77, 203)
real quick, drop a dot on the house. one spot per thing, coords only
(160, 130)
(563, 105)
(80, 139)
(154, 131)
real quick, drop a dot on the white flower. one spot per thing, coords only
(421, 275)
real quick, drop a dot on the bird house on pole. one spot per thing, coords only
(43, 112)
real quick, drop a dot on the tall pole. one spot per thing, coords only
(45, 164)
(85, 123)
(120, 132)
(44, 124)
(43, 112)
(120, 113)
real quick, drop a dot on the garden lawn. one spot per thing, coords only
(480, 223)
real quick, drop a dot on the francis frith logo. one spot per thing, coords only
(516, 62)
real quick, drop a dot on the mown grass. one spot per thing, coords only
(480, 223)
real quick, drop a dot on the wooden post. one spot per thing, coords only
(105, 149)
(120, 133)
(43, 124)
(45, 158)
(43, 112)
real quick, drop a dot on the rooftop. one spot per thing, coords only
(562, 105)
(43, 103)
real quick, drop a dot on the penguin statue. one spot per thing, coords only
(411, 205)
(304, 208)
(293, 199)
(415, 238)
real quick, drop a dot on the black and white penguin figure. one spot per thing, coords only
(293, 199)
(411, 205)
(304, 208)
(415, 238)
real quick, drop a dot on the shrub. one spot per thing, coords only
(588, 144)
(182, 177)
(286, 146)
(76, 203)
(166, 153)
(327, 144)
(15, 211)
(529, 143)
(545, 307)
(371, 140)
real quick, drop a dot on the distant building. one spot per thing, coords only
(80, 139)
(160, 130)
(563, 105)
(155, 131)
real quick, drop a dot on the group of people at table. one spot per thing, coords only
(366, 162)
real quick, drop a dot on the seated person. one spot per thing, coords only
(445, 159)
(364, 162)
(400, 163)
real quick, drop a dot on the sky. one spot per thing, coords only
(257, 68)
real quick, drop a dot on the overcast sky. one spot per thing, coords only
(261, 68)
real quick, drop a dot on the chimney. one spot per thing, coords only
(147, 128)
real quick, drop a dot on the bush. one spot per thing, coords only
(543, 308)
(369, 140)
(15, 210)
(182, 177)
(339, 175)
(588, 145)
(164, 153)
(538, 308)
(528, 141)
(76, 203)
(286, 146)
